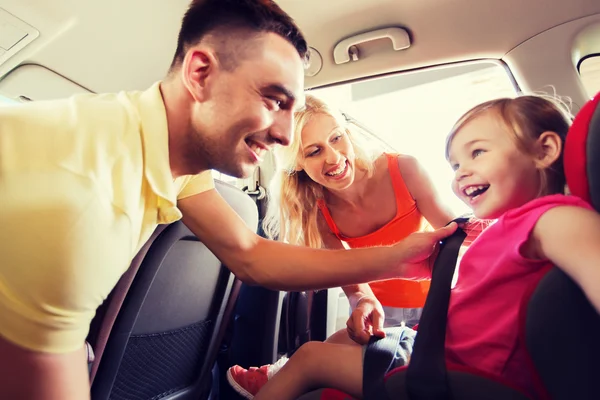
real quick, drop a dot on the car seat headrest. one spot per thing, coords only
(582, 154)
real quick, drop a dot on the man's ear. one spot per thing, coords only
(198, 70)
(549, 148)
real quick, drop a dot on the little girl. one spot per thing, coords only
(507, 158)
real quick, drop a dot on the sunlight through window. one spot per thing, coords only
(589, 69)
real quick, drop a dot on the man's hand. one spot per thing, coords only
(416, 250)
(366, 320)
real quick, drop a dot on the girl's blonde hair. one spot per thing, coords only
(292, 211)
(526, 118)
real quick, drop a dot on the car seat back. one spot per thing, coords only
(165, 338)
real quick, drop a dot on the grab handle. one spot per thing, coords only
(399, 37)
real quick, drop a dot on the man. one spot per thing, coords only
(85, 181)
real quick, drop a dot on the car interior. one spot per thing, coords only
(402, 70)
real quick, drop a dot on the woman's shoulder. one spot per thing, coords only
(380, 165)
(406, 164)
(404, 161)
(396, 156)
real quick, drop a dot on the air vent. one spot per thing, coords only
(14, 35)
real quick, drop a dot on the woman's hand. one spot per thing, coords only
(366, 320)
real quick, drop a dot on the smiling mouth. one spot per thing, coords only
(339, 171)
(474, 191)
(256, 148)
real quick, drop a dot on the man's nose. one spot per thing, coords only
(282, 130)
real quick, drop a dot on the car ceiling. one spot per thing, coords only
(112, 45)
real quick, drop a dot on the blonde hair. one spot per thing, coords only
(292, 212)
(526, 118)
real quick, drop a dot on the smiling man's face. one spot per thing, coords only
(249, 109)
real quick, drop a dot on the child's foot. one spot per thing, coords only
(247, 382)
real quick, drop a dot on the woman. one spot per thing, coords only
(333, 193)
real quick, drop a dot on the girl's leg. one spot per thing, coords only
(341, 337)
(247, 382)
(317, 365)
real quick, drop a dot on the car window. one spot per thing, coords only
(414, 112)
(6, 100)
(589, 70)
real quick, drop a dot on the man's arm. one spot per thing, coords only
(356, 292)
(421, 188)
(367, 315)
(276, 265)
(569, 237)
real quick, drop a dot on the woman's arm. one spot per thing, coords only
(367, 315)
(570, 238)
(421, 188)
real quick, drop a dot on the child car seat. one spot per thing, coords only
(559, 326)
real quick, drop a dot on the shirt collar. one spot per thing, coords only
(155, 138)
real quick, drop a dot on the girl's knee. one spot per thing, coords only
(340, 337)
(309, 349)
(311, 352)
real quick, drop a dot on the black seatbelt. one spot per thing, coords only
(426, 379)
(426, 375)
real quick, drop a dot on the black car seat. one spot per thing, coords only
(158, 334)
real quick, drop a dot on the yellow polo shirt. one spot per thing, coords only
(83, 184)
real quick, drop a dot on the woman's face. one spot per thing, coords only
(326, 153)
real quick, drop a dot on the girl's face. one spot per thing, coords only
(492, 175)
(326, 154)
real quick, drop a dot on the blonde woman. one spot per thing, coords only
(333, 193)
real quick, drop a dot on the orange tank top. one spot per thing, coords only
(399, 293)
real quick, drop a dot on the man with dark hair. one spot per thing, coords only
(88, 179)
(250, 18)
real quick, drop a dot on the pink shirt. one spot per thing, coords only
(483, 316)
